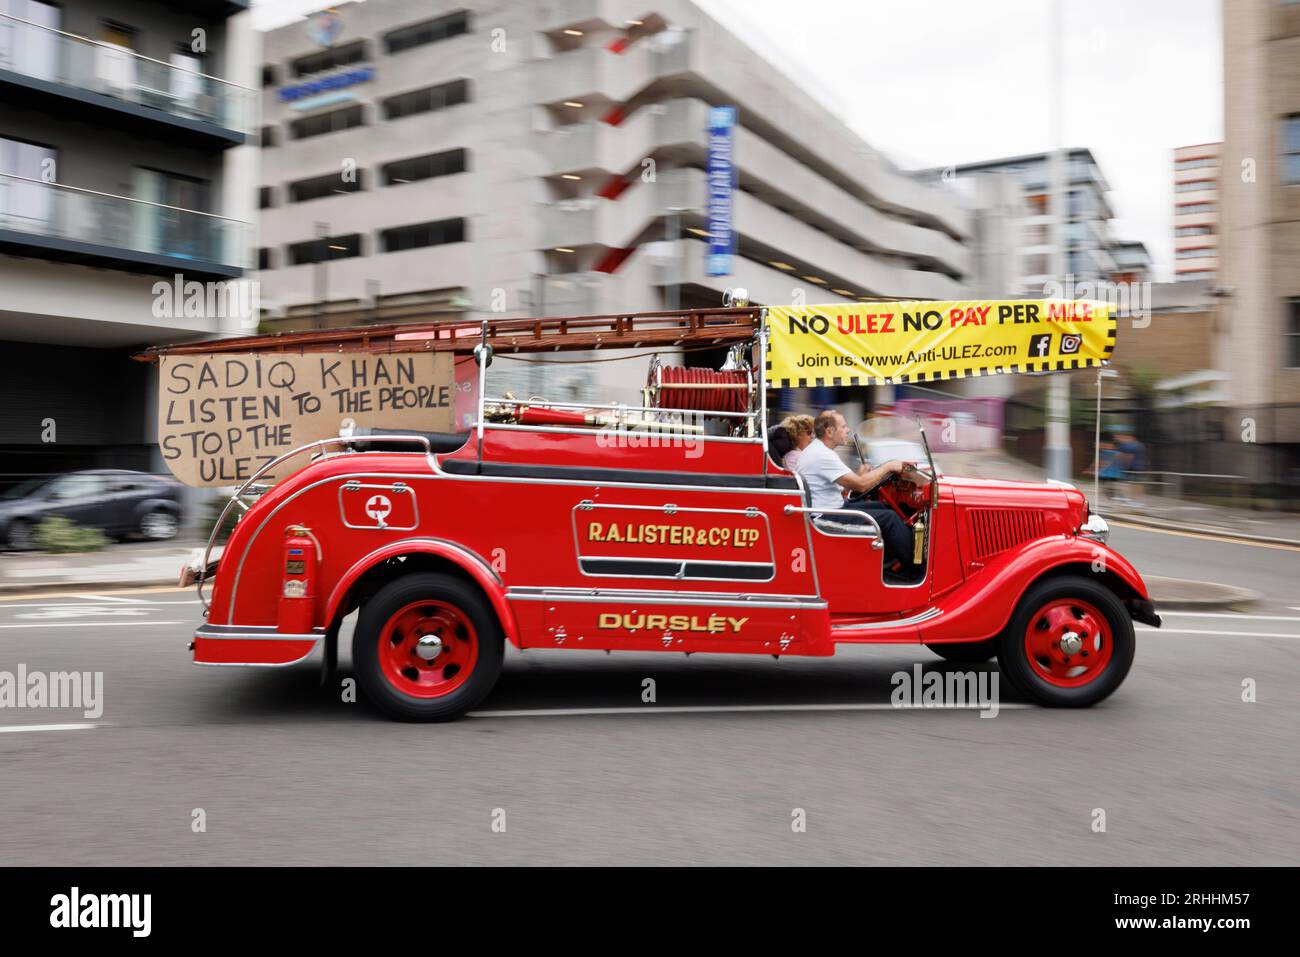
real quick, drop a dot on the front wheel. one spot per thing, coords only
(1069, 644)
(427, 648)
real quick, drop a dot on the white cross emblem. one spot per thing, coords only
(378, 508)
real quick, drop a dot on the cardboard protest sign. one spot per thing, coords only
(886, 342)
(222, 417)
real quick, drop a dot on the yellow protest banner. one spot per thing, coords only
(885, 342)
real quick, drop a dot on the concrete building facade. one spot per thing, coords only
(1196, 211)
(465, 159)
(1259, 236)
(1084, 235)
(124, 162)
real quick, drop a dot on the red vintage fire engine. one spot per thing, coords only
(562, 525)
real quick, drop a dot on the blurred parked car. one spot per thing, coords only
(118, 502)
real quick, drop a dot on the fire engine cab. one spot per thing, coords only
(664, 526)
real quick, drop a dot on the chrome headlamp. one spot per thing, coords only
(1095, 528)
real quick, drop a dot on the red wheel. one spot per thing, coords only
(1069, 643)
(427, 647)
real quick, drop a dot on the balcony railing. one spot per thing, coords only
(53, 211)
(45, 53)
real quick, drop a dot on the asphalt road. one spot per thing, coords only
(582, 771)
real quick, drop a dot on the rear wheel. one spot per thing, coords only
(967, 652)
(1069, 644)
(427, 648)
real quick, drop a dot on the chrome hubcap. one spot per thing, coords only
(1071, 643)
(428, 647)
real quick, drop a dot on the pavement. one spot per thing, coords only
(566, 763)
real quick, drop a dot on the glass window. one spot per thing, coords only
(1293, 334)
(422, 234)
(318, 187)
(324, 250)
(330, 59)
(425, 167)
(1291, 150)
(322, 123)
(430, 31)
(426, 100)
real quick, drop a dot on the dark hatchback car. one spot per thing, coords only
(119, 503)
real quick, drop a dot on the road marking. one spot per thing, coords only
(110, 598)
(1224, 614)
(138, 590)
(143, 604)
(46, 727)
(89, 624)
(1115, 523)
(726, 709)
(1220, 634)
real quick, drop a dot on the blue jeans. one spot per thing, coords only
(893, 530)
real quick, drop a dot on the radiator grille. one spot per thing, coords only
(995, 530)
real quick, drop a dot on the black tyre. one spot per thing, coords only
(427, 647)
(967, 653)
(1069, 643)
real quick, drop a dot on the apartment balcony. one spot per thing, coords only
(64, 73)
(63, 223)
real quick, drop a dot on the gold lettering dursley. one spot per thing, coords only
(708, 624)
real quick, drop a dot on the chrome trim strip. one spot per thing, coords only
(252, 633)
(626, 596)
(914, 620)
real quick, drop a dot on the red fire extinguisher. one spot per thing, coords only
(297, 613)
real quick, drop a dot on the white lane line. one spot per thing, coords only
(110, 598)
(1225, 614)
(725, 709)
(46, 727)
(134, 623)
(1222, 634)
(95, 604)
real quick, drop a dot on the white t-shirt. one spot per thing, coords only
(820, 467)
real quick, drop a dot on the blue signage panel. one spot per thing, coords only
(339, 80)
(722, 184)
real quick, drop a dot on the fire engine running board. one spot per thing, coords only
(523, 593)
(253, 633)
(890, 623)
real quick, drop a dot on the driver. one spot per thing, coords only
(828, 479)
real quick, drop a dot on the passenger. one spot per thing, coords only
(800, 430)
(828, 478)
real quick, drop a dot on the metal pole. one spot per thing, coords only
(1096, 450)
(1056, 447)
(319, 274)
(672, 232)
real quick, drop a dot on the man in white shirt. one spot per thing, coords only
(828, 478)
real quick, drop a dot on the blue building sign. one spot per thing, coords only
(722, 184)
(362, 74)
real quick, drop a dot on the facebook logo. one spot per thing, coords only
(1040, 346)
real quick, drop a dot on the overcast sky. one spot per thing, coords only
(944, 82)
